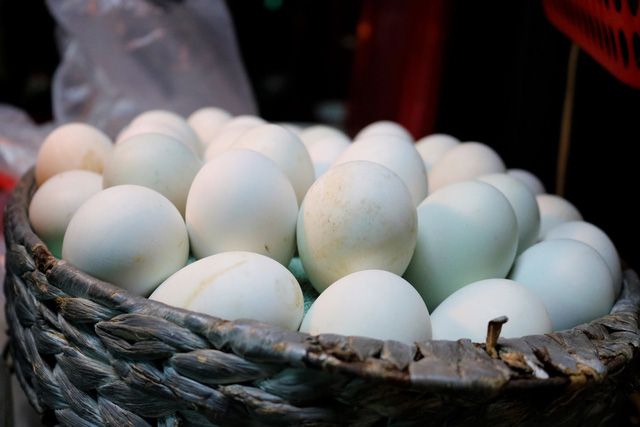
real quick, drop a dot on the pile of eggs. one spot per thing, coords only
(400, 239)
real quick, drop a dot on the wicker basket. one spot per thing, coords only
(88, 353)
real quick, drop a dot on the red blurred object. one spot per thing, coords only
(608, 30)
(7, 182)
(398, 63)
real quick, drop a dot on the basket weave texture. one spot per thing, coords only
(88, 353)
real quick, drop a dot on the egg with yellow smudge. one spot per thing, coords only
(236, 285)
(359, 215)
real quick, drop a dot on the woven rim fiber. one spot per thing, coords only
(89, 353)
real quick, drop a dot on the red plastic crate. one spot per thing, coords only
(608, 30)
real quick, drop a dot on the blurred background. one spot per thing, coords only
(494, 72)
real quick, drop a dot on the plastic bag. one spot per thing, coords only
(121, 57)
(20, 138)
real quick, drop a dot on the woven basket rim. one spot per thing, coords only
(575, 357)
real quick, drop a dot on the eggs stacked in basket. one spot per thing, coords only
(305, 228)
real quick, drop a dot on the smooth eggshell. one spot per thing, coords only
(324, 152)
(554, 210)
(245, 120)
(524, 204)
(357, 216)
(385, 127)
(55, 202)
(153, 128)
(312, 133)
(286, 149)
(207, 122)
(371, 303)
(156, 161)
(466, 313)
(236, 285)
(176, 122)
(432, 147)
(597, 239)
(127, 235)
(393, 152)
(324, 144)
(532, 181)
(467, 231)
(72, 146)
(241, 201)
(466, 160)
(293, 127)
(225, 138)
(571, 278)
(229, 132)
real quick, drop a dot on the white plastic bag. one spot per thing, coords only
(20, 138)
(121, 57)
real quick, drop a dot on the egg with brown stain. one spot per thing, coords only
(358, 216)
(236, 285)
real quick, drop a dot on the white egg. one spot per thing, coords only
(324, 144)
(207, 122)
(286, 149)
(555, 210)
(72, 146)
(154, 128)
(393, 152)
(570, 277)
(370, 303)
(241, 201)
(432, 147)
(293, 127)
(56, 200)
(176, 122)
(466, 313)
(156, 161)
(127, 235)
(224, 139)
(467, 231)
(532, 181)
(312, 133)
(324, 152)
(524, 204)
(466, 160)
(597, 239)
(236, 285)
(385, 127)
(249, 120)
(357, 216)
